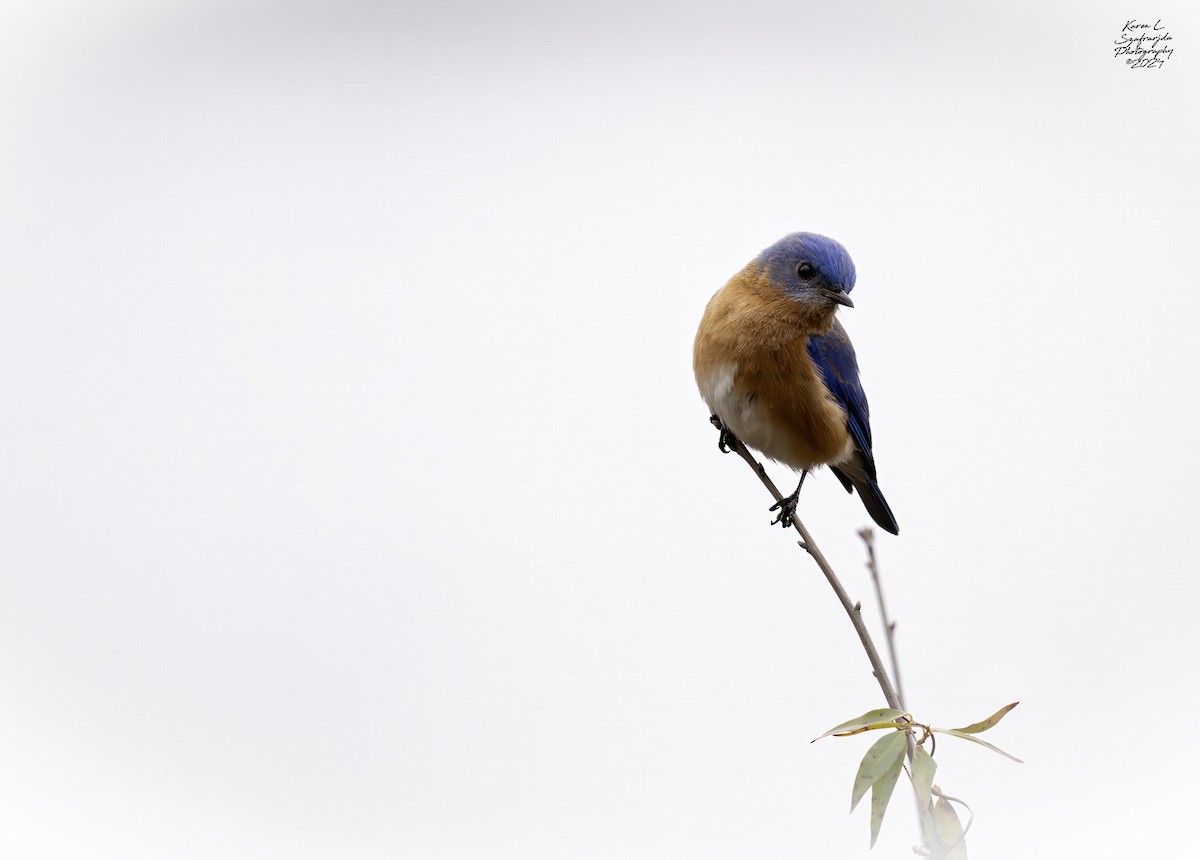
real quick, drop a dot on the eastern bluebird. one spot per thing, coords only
(778, 371)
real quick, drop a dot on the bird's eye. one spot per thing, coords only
(805, 271)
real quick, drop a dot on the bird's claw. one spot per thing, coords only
(726, 439)
(787, 509)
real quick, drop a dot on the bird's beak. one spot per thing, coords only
(841, 298)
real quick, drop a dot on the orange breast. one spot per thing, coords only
(795, 421)
(752, 365)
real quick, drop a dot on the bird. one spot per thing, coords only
(777, 369)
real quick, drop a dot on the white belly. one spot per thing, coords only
(738, 412)
(748, 418)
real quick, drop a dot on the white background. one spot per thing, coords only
(356, 497)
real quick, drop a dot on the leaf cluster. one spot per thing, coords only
(880, 769)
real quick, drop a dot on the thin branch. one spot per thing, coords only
(854, 610)
(889, 626)
(937, 849)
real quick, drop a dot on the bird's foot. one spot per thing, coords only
(727, 439)
(787, 509)
(787, 505)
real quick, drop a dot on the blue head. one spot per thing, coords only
(811, 268)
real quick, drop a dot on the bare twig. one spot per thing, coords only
(854, 610)
(889, 626)
(933, 841)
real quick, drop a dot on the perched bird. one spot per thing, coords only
(778, 372)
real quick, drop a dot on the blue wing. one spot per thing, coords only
(834, 356)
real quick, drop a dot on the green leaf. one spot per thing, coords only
(923, 769)
(884, 718)
(958, 733)
(984, 725)
(881, 793)
(949, 830)
(885, 753)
